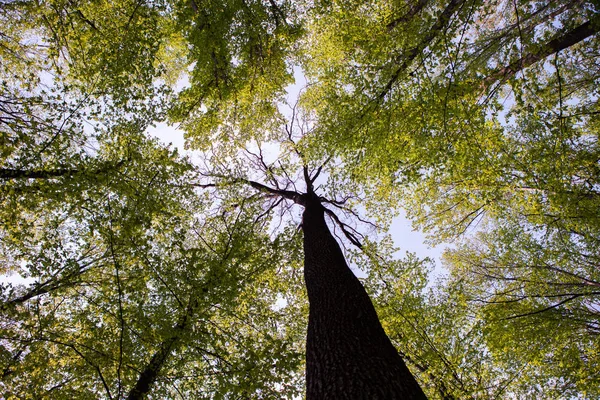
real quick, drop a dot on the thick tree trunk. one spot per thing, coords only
(348, 354)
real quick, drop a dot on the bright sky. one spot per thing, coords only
(402, 233)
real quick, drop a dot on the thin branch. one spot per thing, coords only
(414, 10)
(160, 278)
(268, 210)
(408, 57)
(351, 236)
(544, 309)
(86, 20)
(349, 211)
(120, 296)
(50, 285)
(316, 175)
(11, 173)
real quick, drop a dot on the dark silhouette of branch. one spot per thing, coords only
(339, 205)
(47, 286)
(544, 309)
(523, 25)
(536, 296)
(120, 296)
(86, 20)
(12, 173)
(278, 14)
(308, 180)
(409, 55)
(316, 175)
(558, 43)
(301, 199)
(150, 373)
(9, 173)
(288, 194)
(269, 209)
(137, 6)
(350, 233)
(414, 10)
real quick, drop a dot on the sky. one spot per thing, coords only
(405, 237)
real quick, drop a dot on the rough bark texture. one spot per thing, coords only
(348, 354)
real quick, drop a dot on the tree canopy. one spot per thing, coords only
(148, 272)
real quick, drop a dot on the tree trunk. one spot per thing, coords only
(348, 354)
(152, 370)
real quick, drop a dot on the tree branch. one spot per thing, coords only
(544, 309)
(414, 10)
(150, 373)
(288, 194)
(440, 25)
(351, 236)
(11, 173)
(558, 43)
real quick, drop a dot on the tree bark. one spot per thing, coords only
(348, 354)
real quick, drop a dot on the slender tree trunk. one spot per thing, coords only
(152, 370)
(348, 354)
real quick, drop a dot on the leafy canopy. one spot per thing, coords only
(152, 274)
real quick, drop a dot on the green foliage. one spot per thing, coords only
(459, 350)
(240, 54)
(479, 119)
(128, 267)
(529, 283)
(467, 115)
(117, 261)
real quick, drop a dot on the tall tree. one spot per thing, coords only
(489, 123)
(147, 280)
(348, 354)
